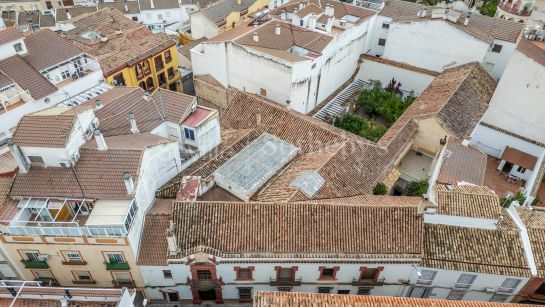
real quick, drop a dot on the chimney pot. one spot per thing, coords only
(277, 30)
(146, 95)
(129, 183)
(255, 37)
(134, 127)
(99, 138)
(126, 7)
(152, 5)
(98, 104)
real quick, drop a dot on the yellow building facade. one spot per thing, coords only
(157, 71)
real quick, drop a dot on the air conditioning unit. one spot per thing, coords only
(43, 257)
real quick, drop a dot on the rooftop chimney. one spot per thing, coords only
(239, 2)
(329, 24)
(171, 241)
(329, 10)
(466, 21)
(129, 183)
(301, 5)
(98, 104)
(18, 156)
(312, 21)
(126, 7)
(134, 127)
(68, 15)
(146, 95)
(99, 138)
(277, 30)
(255, 37)
(151, 4)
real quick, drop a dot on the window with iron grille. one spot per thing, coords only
(168, 57)
(364, 291)
(245, 294)
(284, 289)
(499, 298)
(167, 274)
(465, 281)
(158, 63)
(324, 289)
(204, 274)
(369, 273)
(382, 42)
(456, 295)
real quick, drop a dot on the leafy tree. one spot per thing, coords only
(388, 103)
(380, 189)
(361, 126)
(489, 8)
(418, 188)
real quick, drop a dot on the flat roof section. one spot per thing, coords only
(254, 165)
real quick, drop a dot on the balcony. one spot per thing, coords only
(35, 264)
(285, 282)
(47, 281)
(368, 282)
(123, 284)
(205, 284)
(117, 266)
(516, 9)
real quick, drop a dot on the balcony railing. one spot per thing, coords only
(205, 284)
(460, 285)
(117, 266)
(424, 282)
(66, 229)
(35, 264)
(368, 282)
(509, 8)
(123, 284)
(285, 282)
(506, 290)
(47, 281)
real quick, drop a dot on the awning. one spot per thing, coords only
(519, 158)
(109, 212)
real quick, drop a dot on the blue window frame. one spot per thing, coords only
(189, 134)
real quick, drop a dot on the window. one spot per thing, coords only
(382, 42)
(146, 67)
(139, 71)
(499, 298)
(149, 84)
(134, 18)
(419, 292)
(162, 79)
(456, 295)
(245, 294)
(285, 273)
(509, 285)
(328, 273)
(115, 258)
(172, 132)
(263, 92)
(73, 256)
(122, 277)
(343, 292)
(118, 80)
(189, 134)
(82, 276)
(167, 274)
(385, 25)
(18, 47)
(370, 273)
(364, 291)
(284, 289)
(31, 256)
(244, 273)
(204, 274)
(65, 74)
(158, 63)
(301, 23)
(170, 72)
(426, 277)
(324, 289)
(36, 160)
(521, 169)
(496, 48)
(131, 215)
(168, 57)
(173, 87)
(465, 281)
(172, 296)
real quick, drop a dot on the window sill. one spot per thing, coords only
(326, 279)
(74, 262)
(244, 279)
(84, 282)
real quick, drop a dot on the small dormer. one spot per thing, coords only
(53, 137)
(12, 42)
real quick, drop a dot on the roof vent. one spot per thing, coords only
(134, 127)
(146, 96)
(101, 142)
(103, 39)
(129, 183)
(98, 104)
(126, 7)
(68, 15)
(255, 37)
(466, 20)
(277, 30)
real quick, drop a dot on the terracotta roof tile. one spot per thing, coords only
(247, 229)
(158, 4)
(154, 249)
(219, 10)
(400, 65)
(519, 158)
(468, 201)
(533, 49)
(40, 45)
(478, 250)
(9, 34)
(50, 131)
(483, 27)
(535, 223)
(22, 73)
(462, 163)
(132, 6)
(61, 14)
(282, 299)
(309, 9)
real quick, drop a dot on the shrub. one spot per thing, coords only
(361, 126)
(418, 188)
(380, 189)
(489, 8)
(388, 103)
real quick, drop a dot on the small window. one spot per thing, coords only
(343, 292)
(509, 285)
(158, 63)
(521, 169)
(301, 23)
(18, 47)
(328, 273)
(189, 134)
(150, 85)
(134, 18)
(284, 289)
(204, 274)
(382, 42)
(65, 74)
(465, 281)
(115, 258)
(172, 296)
(245, 294)
(83, 276)
(324, 289)
(456, 295)
(263, 92)
(162, 79)
(364, 291)
(73, 256)
(496, 48)
(167, 274)
(426, 277)
(170, 72)
(32, 256)
(499, 298)
(369, 273)
(36, 160)
(313, 65)
(172, 132)
(168, 57)
(118, 80)
(243, 273)
(385, 25)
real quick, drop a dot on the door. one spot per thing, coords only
(419, 292)
(208, 295)
(172, 296)
(507, 167)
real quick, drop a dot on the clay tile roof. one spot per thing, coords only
(533, 49)
(61, 14)
(135, 43)
(479, 250)
(185, 49)
(28, 78)
(309, 9)
(483, 27)
(290, 36)
(50, 131)
(5, 185)
(9, 34)
(132, 6)
(462, 163)
(519, 158)
(40, 45)
(37, 19)
(535, 223)
(468, 201)
(400, 65)
(118, 102)
(154, 249)
(219, 10)
(244, 229)
(458, 97)
(282, 299)
(158, 4)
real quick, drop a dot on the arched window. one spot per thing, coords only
(149, 84)
(142, 84)
(139, 72)
(147, 68)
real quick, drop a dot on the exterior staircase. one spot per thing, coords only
(335, 107)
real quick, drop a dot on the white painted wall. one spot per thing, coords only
(500, 59)
(158, 18)
(7, 49)
(201, 26)
(410, 80)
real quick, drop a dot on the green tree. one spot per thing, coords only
(489, 8)
(380, 189)
(418, 188)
